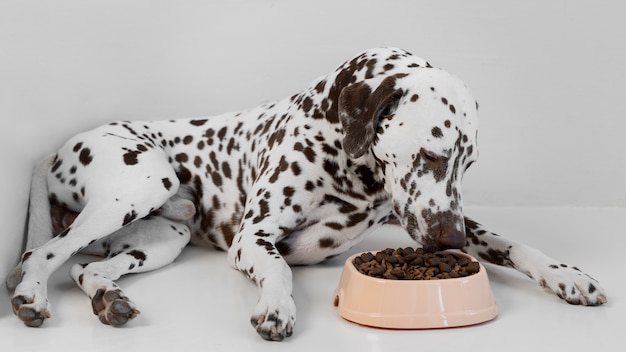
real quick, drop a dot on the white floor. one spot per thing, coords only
(199, 303)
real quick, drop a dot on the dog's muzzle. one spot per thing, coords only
(450, 239)
(440, 232)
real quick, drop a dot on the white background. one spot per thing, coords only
(549, 76)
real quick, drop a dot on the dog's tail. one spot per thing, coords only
(39, 226)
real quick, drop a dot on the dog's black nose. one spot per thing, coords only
(450, 239)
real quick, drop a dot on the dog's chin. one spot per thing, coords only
(429, 245)
(426, 243)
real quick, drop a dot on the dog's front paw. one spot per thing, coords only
(274, 319)
(572, 285)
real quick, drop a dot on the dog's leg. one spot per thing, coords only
(567, 282)
(100, 217)
(115, 195)
(30, 302)
(144, 245)
(254, 253)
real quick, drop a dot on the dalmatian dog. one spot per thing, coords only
(384, 137)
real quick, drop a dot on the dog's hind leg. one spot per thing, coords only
(567, 282)
(144, 245)
(97, 220)
(107, 210)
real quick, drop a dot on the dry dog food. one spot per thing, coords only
(414, 264)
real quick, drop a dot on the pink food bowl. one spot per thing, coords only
(414, 304)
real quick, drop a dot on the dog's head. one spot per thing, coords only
(420, 126)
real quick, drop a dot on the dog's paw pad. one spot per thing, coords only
(274, 324)
(113, 308)
(27, 312)
(271, 327)
(32, 317)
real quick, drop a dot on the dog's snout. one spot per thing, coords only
(450, 239)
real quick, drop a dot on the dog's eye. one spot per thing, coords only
(430, 156)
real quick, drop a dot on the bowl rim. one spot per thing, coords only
(351, 258)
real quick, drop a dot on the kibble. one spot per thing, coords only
(414, 264)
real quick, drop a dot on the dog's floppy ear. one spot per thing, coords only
(360, 109)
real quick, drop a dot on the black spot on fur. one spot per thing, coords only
(356, 218)
(326, 242)
(497, 257)
(343, 206)
(85, 157)
(334, 225)
(269, 247)
(167, 183)
(56, 165)
(139, 255)
(436, 132)
(130, 157)
(198, 122)
(129, 217)
(182, 157)
(264, 211)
